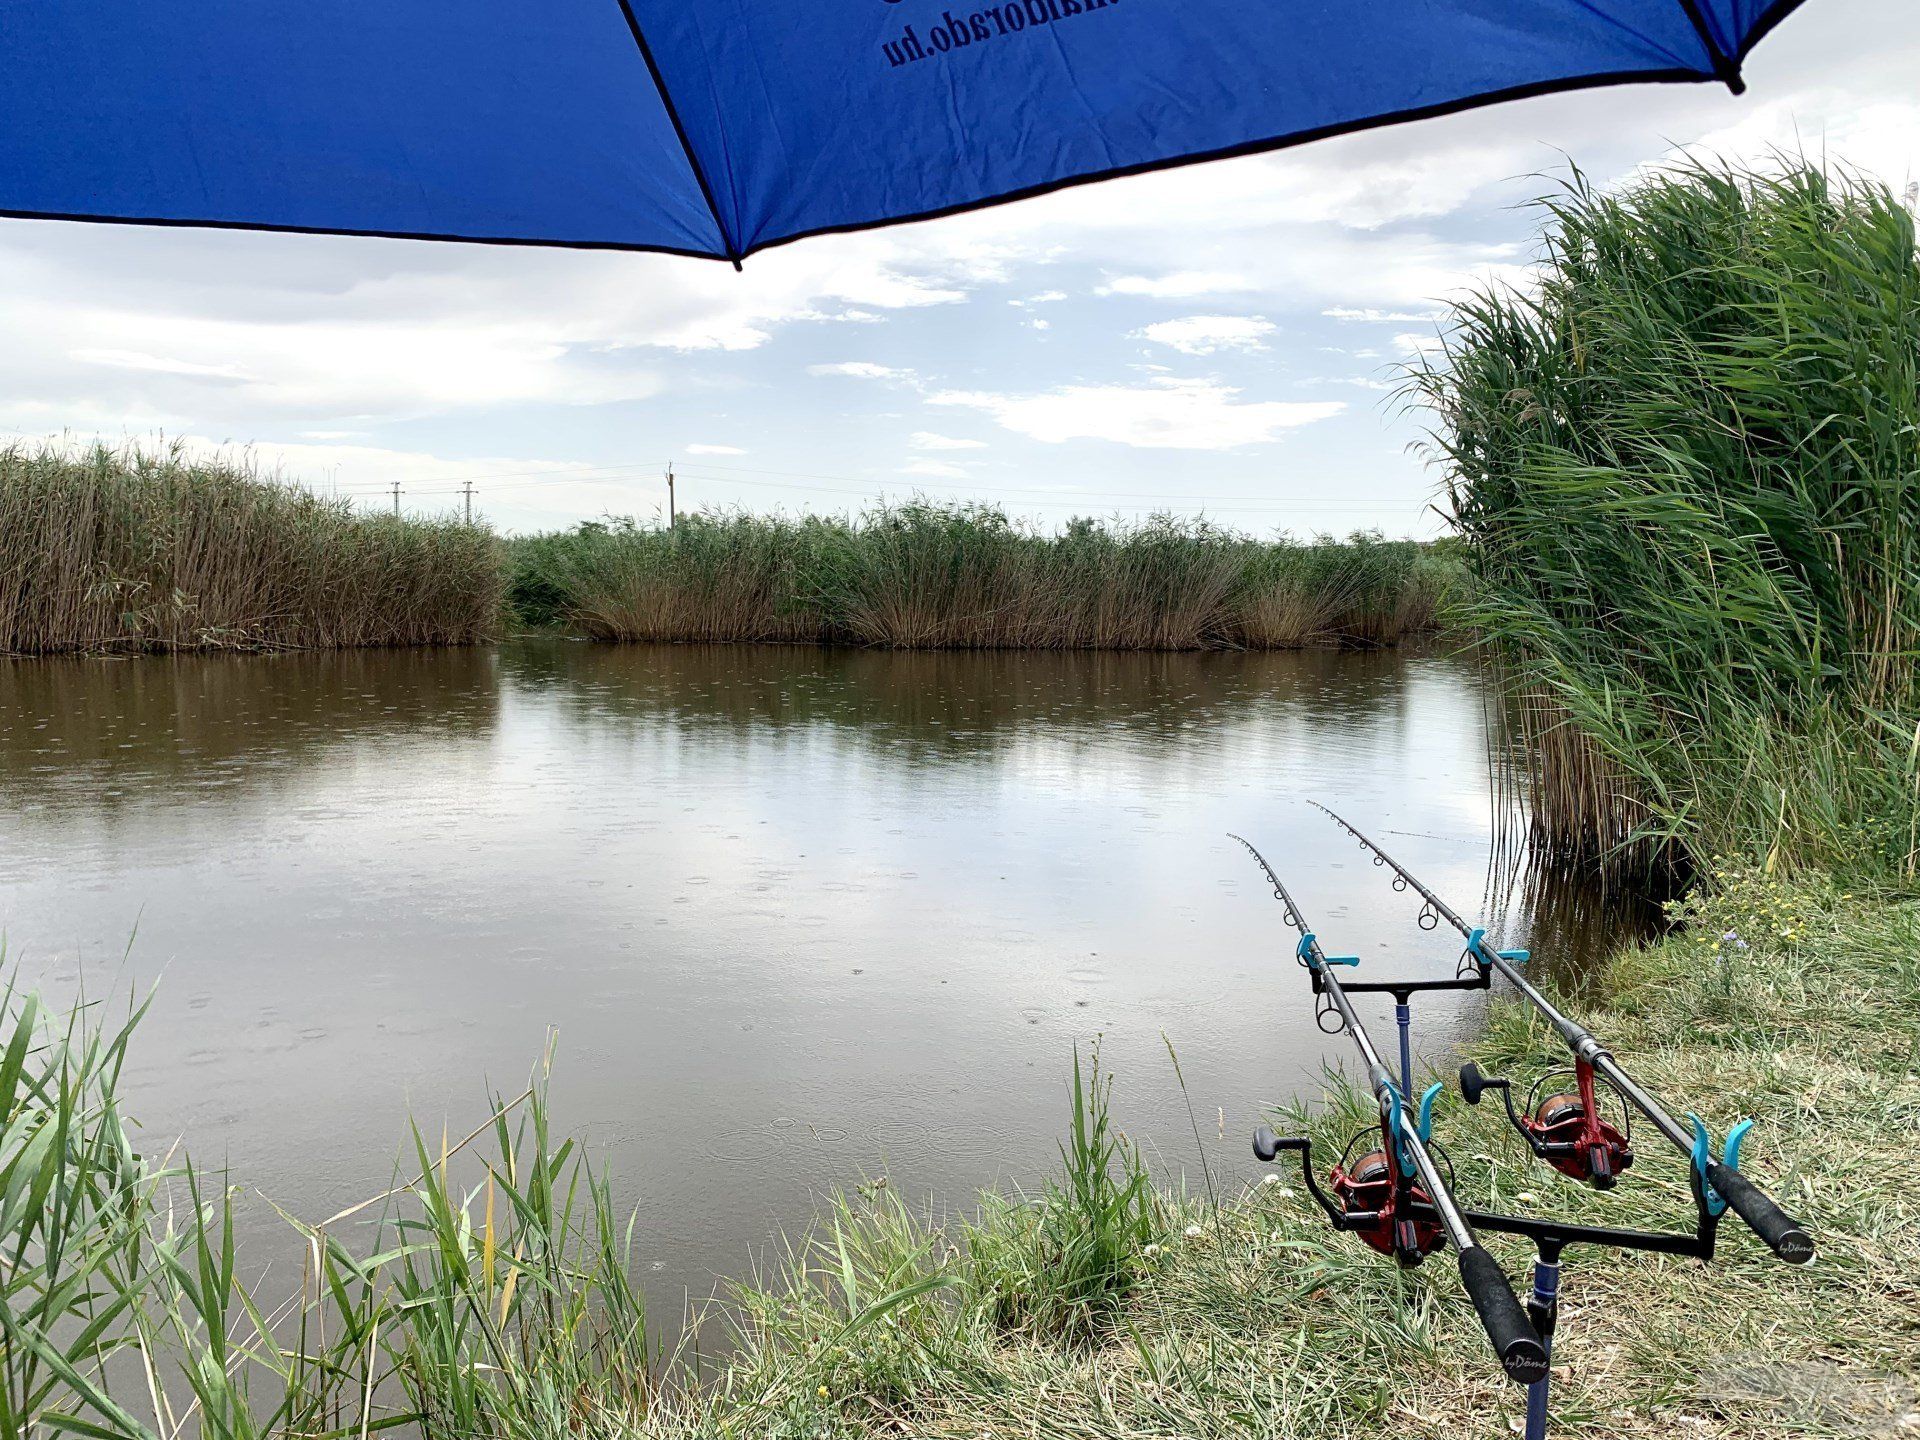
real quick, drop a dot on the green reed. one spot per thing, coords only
(1687, 463)
(931, 576)
(132, 550)
(488, 1293)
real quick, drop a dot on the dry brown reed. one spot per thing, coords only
(129, 550)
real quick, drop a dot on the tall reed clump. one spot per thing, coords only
(134, 551)
(932, 576)
(1687, 465)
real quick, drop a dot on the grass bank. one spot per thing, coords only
(927, 576)
(1253, 1319)
(1687, 468)
(131, 551)
(489, 1293)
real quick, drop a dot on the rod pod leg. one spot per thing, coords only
(1543, 1308)
(1403, 1017)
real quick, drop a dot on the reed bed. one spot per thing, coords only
(134, 551)
(928, 576)
(1687, 466)
(489, 1293)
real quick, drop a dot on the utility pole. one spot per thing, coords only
(467, 490)
(396, 499)
(670, 511)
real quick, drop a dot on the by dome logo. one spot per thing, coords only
(961, 29)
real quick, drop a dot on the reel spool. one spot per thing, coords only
(1566, 1128)
(1394, 1218)
(1571, 1132)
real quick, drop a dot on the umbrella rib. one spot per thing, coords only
(1725, 67)
(680, 130)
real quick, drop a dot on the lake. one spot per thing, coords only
(798, 917)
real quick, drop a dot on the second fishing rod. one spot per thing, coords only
(1719, 1181)
(1418, 1186)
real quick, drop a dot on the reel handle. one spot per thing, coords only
(1784, 1235)
(1474, 1083)
(1267, 1145)
(1514, 1339)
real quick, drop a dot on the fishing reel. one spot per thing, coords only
(1570, 1129)
(1371, 1197)
(1392, 1214)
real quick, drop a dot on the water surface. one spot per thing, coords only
(799, 917)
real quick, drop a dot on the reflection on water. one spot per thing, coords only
(799, 916)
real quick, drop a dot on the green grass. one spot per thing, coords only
(926, 576)
(489, 1294)
(1687, 466)
(133, 551)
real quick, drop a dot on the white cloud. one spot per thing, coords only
(157, 364)
(1414, 345)
(1381, 317)
(715, 450)
(1179, 285)
(860, 370)
(1164, 414)
(936, 469)
(1208, 334)
(129, 330)
(1878, 138)
(928, 440)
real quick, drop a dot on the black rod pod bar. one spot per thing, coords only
(1718, 1182)
(1515, 1342)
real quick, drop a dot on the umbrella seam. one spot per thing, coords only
(680, 131)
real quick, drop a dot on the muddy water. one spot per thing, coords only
(798, 917)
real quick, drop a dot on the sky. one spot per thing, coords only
(1218, 340)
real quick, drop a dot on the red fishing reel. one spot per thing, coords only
(1369, 1195)
(1569, 1129)
(1392, 1213)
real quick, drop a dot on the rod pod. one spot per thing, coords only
(1719, 1182)
(1521, 1355)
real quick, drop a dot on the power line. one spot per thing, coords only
(370, 487)
(1054, 498)
(970, 488)
(879, 490)
(840, 484)
(1034, 499)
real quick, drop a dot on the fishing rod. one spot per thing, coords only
(1568, 1130)
(1396, 1197)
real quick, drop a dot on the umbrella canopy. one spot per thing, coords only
(720, 127)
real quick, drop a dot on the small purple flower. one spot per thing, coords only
(1732, 937)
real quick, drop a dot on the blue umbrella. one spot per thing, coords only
(721, 127)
